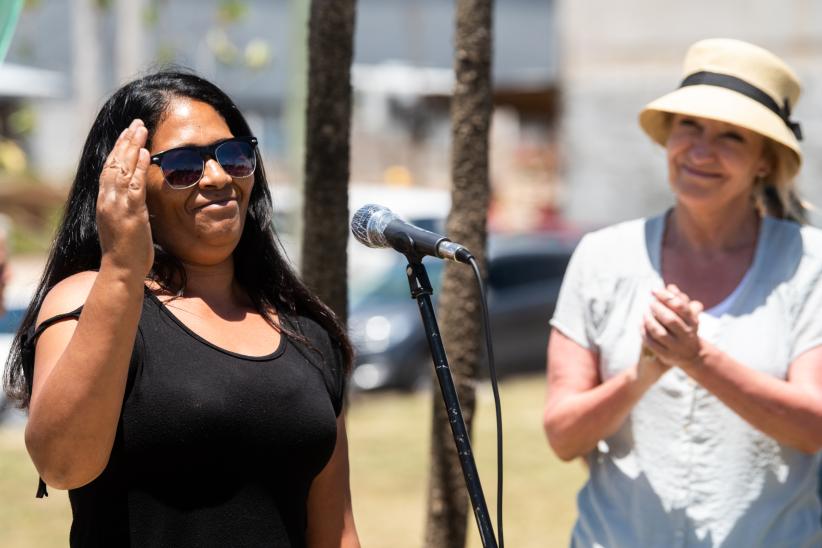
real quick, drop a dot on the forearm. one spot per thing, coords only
(576, 421)
(784, 411)
(75, 408)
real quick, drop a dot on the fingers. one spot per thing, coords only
(656, 348)
(137, 185)
(122, 160)
(122, 215)
(136, 140)
(673, 324)
(670, 327)
(680, 304)
(652, 329)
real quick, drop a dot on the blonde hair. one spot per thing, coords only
(775, 193)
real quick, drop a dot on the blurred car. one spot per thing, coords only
(524, 276)
(9, 322)
(16, 300)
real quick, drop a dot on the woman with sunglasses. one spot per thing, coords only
(685, 363)
(181, 382)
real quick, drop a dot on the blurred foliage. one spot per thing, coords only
(257, 54)
(222, 47)
(12, 157)
(32, 4)
(151, 14)
(231, 11)
(34, 209)
(25, 240)
(22, 121)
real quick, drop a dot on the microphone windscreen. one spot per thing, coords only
(368, 225)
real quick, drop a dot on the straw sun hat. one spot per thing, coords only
(737, 83)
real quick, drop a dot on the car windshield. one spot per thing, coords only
(393, 285)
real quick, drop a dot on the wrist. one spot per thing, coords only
(114, 272)
(700, 357)
(645, 372)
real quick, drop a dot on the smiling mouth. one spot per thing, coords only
(218, 203)
(699, 173)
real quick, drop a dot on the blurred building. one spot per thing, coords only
(254, 49)
(570, 78)
(618, 56)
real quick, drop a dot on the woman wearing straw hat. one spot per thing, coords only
(685, 363)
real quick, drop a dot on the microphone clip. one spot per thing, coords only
(418, 280)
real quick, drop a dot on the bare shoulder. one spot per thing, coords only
(67, 295)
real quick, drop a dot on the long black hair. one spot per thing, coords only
(260, 266)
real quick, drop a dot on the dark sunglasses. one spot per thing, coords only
(183, 166)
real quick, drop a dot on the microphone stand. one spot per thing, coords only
(421, 291)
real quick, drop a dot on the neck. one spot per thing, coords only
(213, 284)
(720, 230)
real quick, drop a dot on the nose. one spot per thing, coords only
(701, 150)
(214, 175)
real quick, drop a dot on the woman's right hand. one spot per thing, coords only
(81, 366)
(122, 217)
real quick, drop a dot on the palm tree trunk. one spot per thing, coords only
(459, 309)
(328, 123)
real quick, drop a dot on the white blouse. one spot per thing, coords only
(684, 469)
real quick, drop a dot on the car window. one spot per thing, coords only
(393, 285)
(506, 273)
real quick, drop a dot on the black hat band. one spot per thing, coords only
(705, 78)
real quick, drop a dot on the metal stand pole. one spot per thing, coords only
(421, 291)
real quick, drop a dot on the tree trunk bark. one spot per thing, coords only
(328, 123)
(459, 308)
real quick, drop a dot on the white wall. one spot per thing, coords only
(617, 56)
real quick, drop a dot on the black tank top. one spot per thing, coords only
(213, 448)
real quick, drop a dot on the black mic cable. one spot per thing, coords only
(492, 374)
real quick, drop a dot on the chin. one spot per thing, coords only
(219, 229)
(710, 201)
(694, 194)
(227, 239)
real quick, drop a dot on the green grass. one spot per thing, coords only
(389, 440)
(389, 444)
(27, 522)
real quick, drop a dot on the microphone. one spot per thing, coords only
(377, 226)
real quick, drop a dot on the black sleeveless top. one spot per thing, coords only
(213, 448)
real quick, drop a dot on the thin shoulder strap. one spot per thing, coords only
(35, 333)
(42, 491)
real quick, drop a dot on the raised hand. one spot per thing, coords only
(122, 216)
(670, 328)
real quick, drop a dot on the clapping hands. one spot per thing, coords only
(669, 329)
